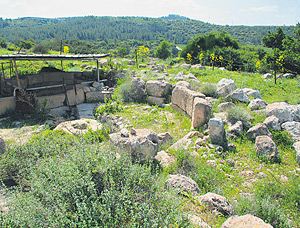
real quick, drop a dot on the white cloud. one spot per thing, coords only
(261, 9)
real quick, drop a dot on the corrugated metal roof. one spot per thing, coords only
(51, 57)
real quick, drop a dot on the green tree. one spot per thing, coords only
(122, 51)
(3, 43)
(163, 50)
(275, 39)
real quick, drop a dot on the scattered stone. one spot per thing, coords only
(156, 100)
(225, 87)
(239, 95)
(98, 96)
(217, 132)
(186, 66)
(79, 127)
(237, 129)
(245, 221)
(265, 147)
(247, 173)
(183, 83)
(297, 150)
(230, 162)
(198, 222)
(252, 93)
(158, 88)
(138, 89)
(201, 112)
(258, 130)
(231, 147)
(293, 128)
(141, 146)
(272, 122)
(216, 202)
(201, 142)
(281, 110)
(267, 75)
(164, 139)
(262, 175)
(224, 106)
(165, 159)
(257, 104)
(98, 85)
(133, 131)
(124, 132)
(182, 143)
(182, 183)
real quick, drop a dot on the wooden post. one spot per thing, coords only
(98, 74)
(17, 75)
(62, 66)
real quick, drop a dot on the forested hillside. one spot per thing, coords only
(114, 29)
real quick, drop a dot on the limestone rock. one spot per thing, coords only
(165, 158)
(183, 98)
(140, 146)
(281, 110)
(265, 147)
(267, 75)
(201, 112)
(258, 130)
(296, 148)
(225, 87)
(239, 95)
(217, 132)
(272, 122)
(224, 106)
(182, 143)
(79, 127)
(198, 222)
(98, 96)
(252, 93)
(245, 221)
(165, 139)
(158, 88)
(138, 89)
(236, 129)
(257, 104)
(186, 66)
(216, 202)
(184, 83)
(156, 100)
(293, 128)
(182, 183)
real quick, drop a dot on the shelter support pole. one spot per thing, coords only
(17, 74)
(98, 74)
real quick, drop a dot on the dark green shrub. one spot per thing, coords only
(238, 113)
(209, 89)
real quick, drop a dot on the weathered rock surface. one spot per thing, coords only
(158, 88)
(224, 106)
(283, 111)
(182, 183)
(138, 89)
(217, 132)
(225, 87)
(140, 146)
(216, 202)
(257, 104)
(296, 148)
(164, 139)
(293, 128)
(265, 147)
(165, 158)
(237, 128)
(252, 93)
(201, 112)
(185, 141)
(272, 122)
(198, 222)
(156, 100)
(98, 96)
(79, 127)
(245, 221)
(267, 75)
(183, 98)
(239, 95)
(258, 130)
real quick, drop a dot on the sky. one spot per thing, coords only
(229, 12)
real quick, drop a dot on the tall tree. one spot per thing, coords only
(163, 50)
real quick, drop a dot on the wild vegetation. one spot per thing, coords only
(62, 180)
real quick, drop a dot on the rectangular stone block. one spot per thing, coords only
(53, 101)
(156, 100)
(7, 104)
(101, 96)
(201, 112)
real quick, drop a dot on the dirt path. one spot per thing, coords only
(18, 135)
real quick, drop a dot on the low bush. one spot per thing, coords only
(238, 113)
(209, 89)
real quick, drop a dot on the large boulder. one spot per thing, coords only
(140, 145)
(225, 87)
(256, 104)
(98, 96)
(165, 159)
(239, 95)
(183, 98)
(265, 147)
(245, 221)
(281, 110)
(216, 202)
(293, 128)
(138, 89)
(164, 139)
(79, 127)
(297, 150)
(198, 222)
(252, 93)
(224, 106)
(217, 132)
(258, 130)
(182, 183)
(272, 122)
(156, 100)
(236, 129)
(201, 112)
(158, 88)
